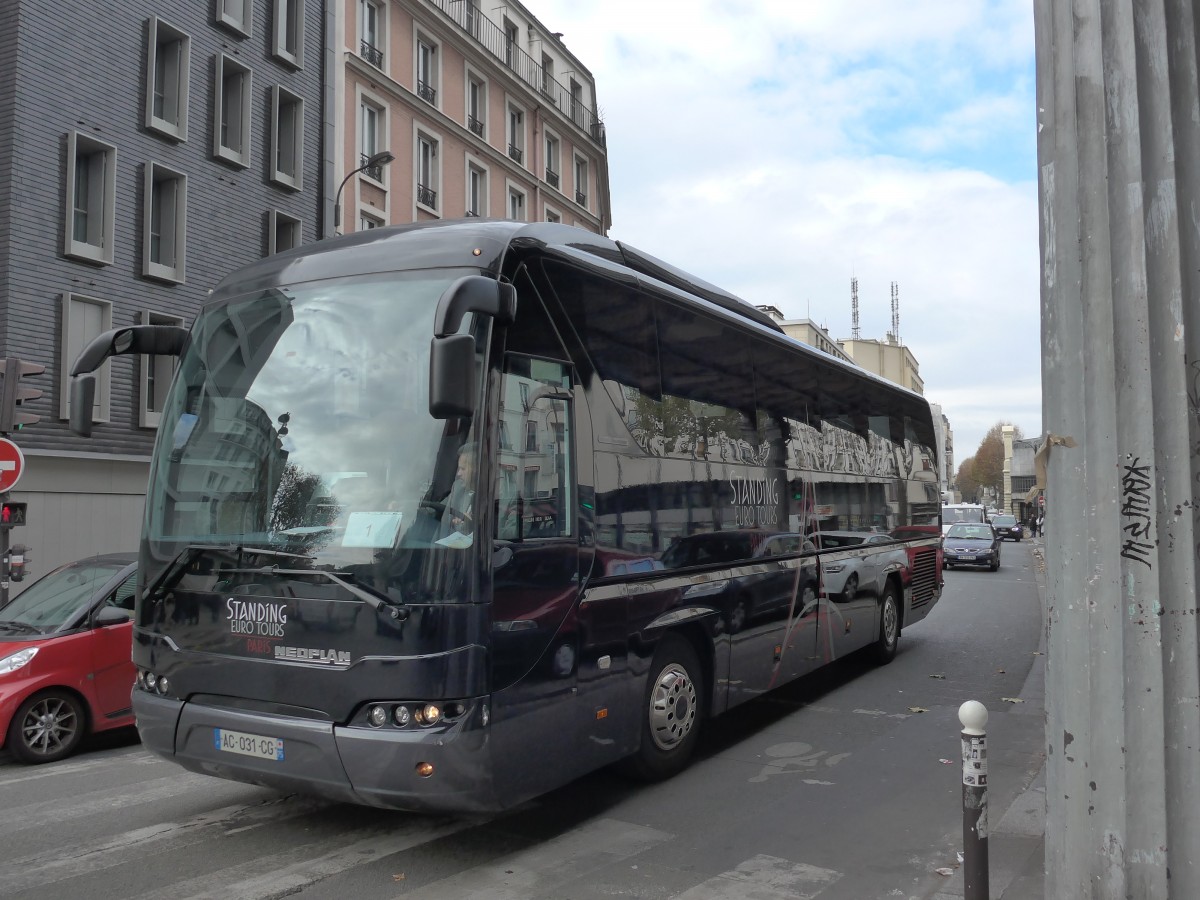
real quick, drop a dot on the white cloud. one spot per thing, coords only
(779, 147)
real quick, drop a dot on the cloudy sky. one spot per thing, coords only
(779, 148)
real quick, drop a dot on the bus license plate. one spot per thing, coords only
(248, 744)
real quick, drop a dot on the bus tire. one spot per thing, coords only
(889, 626)
(673, 708)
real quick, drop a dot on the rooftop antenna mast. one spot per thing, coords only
(855, 332)
(896, 311)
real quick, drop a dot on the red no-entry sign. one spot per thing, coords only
(12, 464)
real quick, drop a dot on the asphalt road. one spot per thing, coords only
(845, 786)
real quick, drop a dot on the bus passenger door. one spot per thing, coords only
(537, 564)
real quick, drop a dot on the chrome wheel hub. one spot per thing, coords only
(672, 707)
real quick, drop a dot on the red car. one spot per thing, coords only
(65, 668)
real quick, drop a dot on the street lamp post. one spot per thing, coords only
(382, 158)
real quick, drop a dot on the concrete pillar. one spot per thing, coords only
(1119, 197)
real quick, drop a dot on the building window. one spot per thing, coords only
(168, 54)
(367, 222)
(516, 204)
(289, 31)
(476, 105)
(511, 36)
(548, 76)
(284, 232)
(84, 318)
(370, 22)
(91, 184)
(427, 172)
(581, 181)
(236, 15)
(231, 134)
(516, 134)
(577, 103)
(553, 162)
(553, 215)
(164, 218)
(155, 375)
(287, 138)
(371, 124)
(427, 79)
(476, 190)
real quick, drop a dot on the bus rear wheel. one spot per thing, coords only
(889, 626)
(672, 712)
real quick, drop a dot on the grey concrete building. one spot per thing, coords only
(147, 148)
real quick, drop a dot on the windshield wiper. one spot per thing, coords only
(170, 574)
(21, 627)
(345, 580)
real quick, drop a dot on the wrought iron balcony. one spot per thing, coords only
(375, 172)
(427, 92)
(515, 152)
(475, 125)
(581, 198)
(467, 15)
(426, 196)
(371, 54)
(551, 178)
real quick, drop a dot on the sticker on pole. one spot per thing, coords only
(974, 755)
(12, 464)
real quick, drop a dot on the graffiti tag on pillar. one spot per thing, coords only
(1135, 510)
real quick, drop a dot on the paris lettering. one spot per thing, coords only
(255, 619)
(755, 501)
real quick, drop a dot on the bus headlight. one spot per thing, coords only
(401, 716)
(428, 714)
(378, 716)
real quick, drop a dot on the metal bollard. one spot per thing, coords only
(974, 716)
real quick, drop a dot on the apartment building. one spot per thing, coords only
(147, 148)
(482, 109)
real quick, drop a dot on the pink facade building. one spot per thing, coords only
(485, 111)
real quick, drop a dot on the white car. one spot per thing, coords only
(865, 566)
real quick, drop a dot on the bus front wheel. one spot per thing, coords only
(672, 712)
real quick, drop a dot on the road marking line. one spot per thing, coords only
(765, 878)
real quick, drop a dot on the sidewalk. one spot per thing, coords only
(1017, 842)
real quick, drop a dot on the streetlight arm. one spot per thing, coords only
(382, 158)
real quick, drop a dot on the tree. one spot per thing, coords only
(966, 482)
(988, 463)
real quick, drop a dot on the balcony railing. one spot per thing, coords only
(426, 196)
(470, 19)
(551, 178)
(475, 125)
(371, 54)
(515, 152)
(375, 172)
(581, 198)
(427, 92)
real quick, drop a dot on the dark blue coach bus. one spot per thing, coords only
(442, 517)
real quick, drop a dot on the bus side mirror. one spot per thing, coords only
(83, 395)
(452, 376)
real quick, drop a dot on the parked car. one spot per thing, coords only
(971, 545)
(845, 577)
(1007, 527)
(65, 668)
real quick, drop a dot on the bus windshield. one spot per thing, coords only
(299, 423)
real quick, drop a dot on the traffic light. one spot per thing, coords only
(12, 514)
(13, 395)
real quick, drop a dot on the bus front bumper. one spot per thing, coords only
(368, 766)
